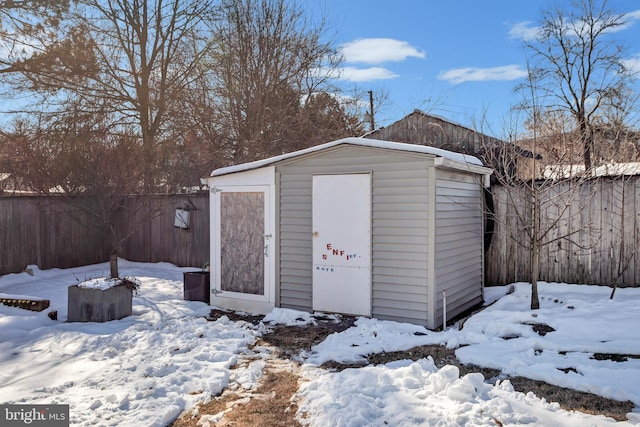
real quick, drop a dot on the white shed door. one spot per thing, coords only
(342, 243)
(241, 244)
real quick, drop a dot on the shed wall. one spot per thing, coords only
(399, 228)
(458, 242)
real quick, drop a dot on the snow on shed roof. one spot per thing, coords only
(364, 142)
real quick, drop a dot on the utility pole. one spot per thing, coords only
(371, 121)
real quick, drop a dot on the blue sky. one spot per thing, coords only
(459, 59)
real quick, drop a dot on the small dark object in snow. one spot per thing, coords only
(510, 337)
(53, 315)
(419, 334)
(214, 315)
(541, 329)
(569, 369)
(570, 307)
(612, 356)
(534, 315)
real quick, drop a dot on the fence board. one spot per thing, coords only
(630, 234)
(583, 250)
(636, 226)
(617, 235)
(599, 253)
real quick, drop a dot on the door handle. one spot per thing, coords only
(266, 244)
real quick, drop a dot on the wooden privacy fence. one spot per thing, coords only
(601, 218)
(39, 230)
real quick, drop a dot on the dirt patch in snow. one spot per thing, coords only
(291, 340)
(271, 404)
(268, 405)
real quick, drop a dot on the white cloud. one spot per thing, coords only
(629, 19)
(632, 64)
(379, 50)
(354, 74)
(633, 15)
(475, 74)
(525, 31)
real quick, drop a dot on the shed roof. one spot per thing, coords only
(462, 159)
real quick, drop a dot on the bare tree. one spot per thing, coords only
(76, 159)
(540, 215)
(580, 65)
(266, 62)
(28, 26)
(324, 118)
(140, 56)
(537, 208)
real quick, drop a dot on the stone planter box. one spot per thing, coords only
(197, 286)
(99, 305)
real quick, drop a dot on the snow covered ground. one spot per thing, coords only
(147, 368)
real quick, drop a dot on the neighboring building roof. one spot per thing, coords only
(422, 113)
(363, 142)
(611, 169)
(14, 186)
(454, 136)
(421, 128)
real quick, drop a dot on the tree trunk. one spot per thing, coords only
(535, 246)
(113, 265)
(535, 301)
(587, 146)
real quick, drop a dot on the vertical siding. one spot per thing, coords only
(399, 228)
(295, 270)
(458, 239)
(399, 241)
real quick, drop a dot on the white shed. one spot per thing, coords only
(354, 226)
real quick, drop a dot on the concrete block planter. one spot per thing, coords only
(90, 303)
